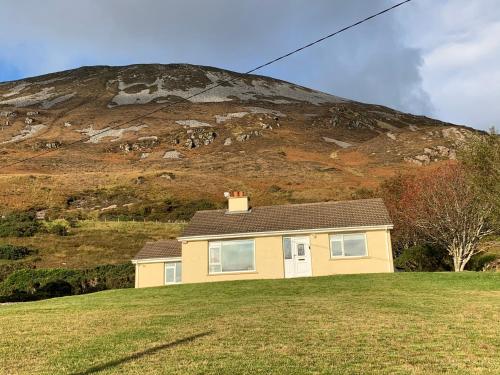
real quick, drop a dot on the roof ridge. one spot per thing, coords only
(320, 203)
(304, 204)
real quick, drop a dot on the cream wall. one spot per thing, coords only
(149, 274)
(268, 262)
(379, 257)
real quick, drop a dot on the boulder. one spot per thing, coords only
(172, 155)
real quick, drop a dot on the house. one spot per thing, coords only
(296, 240)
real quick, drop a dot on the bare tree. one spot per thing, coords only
(446, 208)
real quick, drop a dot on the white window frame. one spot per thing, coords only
(218, 245)
(167, 264)
(343, 256)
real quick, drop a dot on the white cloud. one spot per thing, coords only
(461, 58)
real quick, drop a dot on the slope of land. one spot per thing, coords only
(416, 323)
(278, 141)
(92, 243)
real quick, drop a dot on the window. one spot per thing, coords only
(287, 247)
(231, 256)
(348, 245)
(173, 272)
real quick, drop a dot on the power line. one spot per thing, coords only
(218, 84)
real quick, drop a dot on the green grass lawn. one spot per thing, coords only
(406, 323)
(94, 243)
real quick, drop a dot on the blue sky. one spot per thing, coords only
(438, 58)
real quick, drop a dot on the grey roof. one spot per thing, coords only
(160, 249)
(341, 214)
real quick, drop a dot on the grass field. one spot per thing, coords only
(407, 323)
(94, 243)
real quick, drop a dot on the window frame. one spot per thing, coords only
(343, 256)
(174, 263)
(218, 245)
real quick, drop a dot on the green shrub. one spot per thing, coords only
(169, 210)
(422, 258)
(35, 284)
(59, 227)
(12, 252)
(8, 268)
(21, 224)
(479, 261)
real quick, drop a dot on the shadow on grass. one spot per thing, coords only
(146, 352)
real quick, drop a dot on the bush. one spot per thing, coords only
(169, 210)
(422, 258)
(21, 224)
(479, 261)
(36, 284)
(59, 227)
(11, 267)
(12, 252)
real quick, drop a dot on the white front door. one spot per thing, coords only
(297, 255)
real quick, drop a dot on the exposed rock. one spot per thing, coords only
(68, 124)
(32, 113)
(454, 133)
(228, 142)
(96, 135)
(200, 137)
(47, 145)
(337, 142)
(168, 176)
(139, 180)
(28, 121)
(391, 135)
(192, 123)
(113, 206)
(142, 144)
(8, 114)
(243, 137)
(172, 155)
(145, 155)
(223, 118)
(28, 132)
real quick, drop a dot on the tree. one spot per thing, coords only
(446, 208)
(480, 156)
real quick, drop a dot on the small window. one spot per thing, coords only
(301, 250)
(348, 245)
(287, 247)
(231, 256)
(173, 272)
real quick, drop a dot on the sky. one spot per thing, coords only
(439, 58)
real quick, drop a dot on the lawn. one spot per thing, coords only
(94, 243)
(406, 323)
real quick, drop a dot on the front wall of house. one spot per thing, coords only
(379, 257)
(268, 262)
(149, 274)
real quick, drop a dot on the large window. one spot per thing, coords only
(231, 256)
(173, 272)
(348, 245)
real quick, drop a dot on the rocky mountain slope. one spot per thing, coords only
(278, 141)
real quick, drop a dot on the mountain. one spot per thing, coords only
(276, 140)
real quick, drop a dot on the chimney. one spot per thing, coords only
(237, 201)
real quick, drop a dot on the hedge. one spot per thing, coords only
(36, 284)
(13, 252)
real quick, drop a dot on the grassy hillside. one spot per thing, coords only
(395, 323)
(94, 243)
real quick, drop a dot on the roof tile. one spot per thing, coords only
(160, 249)
(341, 214)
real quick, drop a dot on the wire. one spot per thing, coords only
(218, 84)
